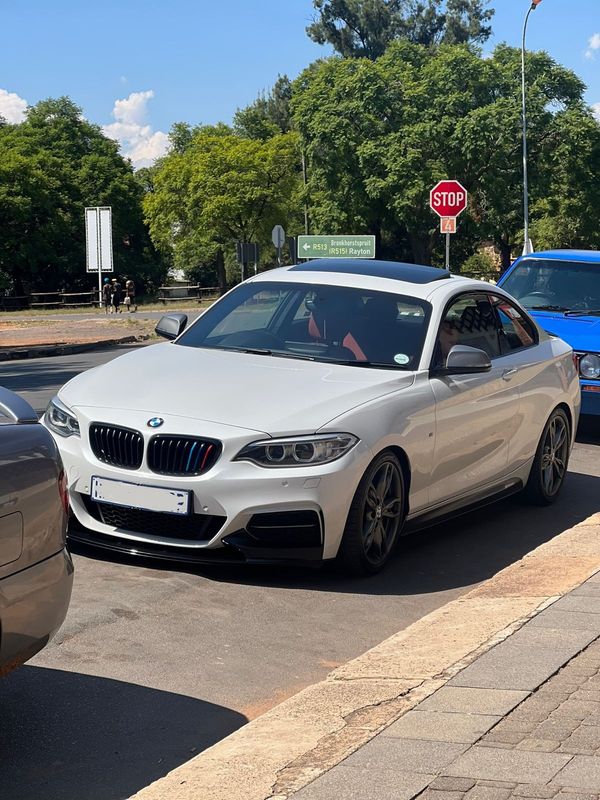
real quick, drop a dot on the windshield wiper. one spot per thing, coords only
(581, 313)
(549, 308)
(286, 354)
(258, 351)
(370, 364)
(253, 350)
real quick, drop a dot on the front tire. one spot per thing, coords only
(375, 518)
(551, 461)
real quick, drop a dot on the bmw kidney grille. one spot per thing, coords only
(167, 455)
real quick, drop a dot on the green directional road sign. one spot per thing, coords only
(336, 246)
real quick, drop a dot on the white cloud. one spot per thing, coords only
(12, 107)
(593, 46)
(596, 110)
(137, 139)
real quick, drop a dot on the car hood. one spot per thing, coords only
(277, 396)
(581, 332)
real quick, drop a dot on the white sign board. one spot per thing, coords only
(98, 239)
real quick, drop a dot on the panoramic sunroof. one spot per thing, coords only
(396, 270)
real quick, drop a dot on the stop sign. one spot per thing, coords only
(448, 198)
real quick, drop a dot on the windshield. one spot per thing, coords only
(319, 323)
(548, 285)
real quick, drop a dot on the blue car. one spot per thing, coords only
(561, 290)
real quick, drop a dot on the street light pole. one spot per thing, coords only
(526, 245)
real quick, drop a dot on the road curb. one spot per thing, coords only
(289, 746)
(49, 350)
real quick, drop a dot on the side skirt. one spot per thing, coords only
(463, 505)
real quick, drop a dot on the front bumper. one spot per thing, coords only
(238, 549)
(33, 606)
(226, 501)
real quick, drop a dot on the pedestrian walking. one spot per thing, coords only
(130, 295)
(107, 296)
(117, 296)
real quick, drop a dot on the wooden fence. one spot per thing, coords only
(58, 300)
(46, 300)
(171, 294)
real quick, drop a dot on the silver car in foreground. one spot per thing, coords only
(36, 571)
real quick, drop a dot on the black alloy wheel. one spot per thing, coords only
(551, 460)
(375, 518)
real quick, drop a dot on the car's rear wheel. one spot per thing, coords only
(375, 518)
(551, 461)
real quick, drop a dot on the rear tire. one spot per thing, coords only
(375, 518)
(551, 461)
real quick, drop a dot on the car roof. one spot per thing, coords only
(395, 270)
(413, 280)
(590, 256)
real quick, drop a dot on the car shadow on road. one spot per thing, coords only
(456, 554)
(68, 736)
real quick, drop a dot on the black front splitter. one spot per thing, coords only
(228, 554)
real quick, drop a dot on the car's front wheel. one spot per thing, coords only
(375, 518)
(551, 460)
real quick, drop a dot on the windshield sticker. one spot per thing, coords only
(401, 358)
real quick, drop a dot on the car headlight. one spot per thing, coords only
(61, 419)
(589, 366)
(298, 451)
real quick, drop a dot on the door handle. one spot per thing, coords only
(508, 374)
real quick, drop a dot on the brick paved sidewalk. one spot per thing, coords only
(522, 721)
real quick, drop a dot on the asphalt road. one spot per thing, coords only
(153, 665)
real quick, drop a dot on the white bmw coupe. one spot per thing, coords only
(317, 412)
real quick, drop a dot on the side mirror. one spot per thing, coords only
(465, 360)
(171, 325)
(16, 408)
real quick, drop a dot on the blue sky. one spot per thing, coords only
(137, 66)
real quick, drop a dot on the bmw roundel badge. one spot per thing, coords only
(155, 422)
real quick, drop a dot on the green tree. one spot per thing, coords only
(221, 189)
(269, 114)
(53, 165)
(365, 28)
(379, 134)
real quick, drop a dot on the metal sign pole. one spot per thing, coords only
(99, 255)
(447, 251)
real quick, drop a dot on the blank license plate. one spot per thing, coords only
(134, 495)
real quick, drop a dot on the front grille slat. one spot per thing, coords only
(119, 447)
(182, 455)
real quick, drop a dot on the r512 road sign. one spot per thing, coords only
(336, 246)
(448, 198)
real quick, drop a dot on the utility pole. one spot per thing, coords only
(527, 248)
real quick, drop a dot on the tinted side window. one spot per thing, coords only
(516, 331)
(469, 320)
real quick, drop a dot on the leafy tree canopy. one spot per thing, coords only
(51, 166)
(365, 28)
(269, 114)
(220, 189)
(379, 134)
